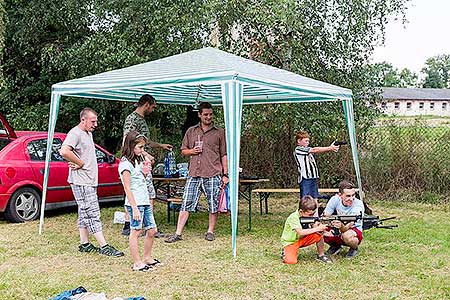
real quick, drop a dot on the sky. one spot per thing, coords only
(426, 34)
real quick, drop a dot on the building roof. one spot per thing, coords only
(390, 93)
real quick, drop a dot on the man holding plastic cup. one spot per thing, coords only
(205, 144)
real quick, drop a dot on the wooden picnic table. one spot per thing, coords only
(245, 191)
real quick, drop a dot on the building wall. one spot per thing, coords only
(415, 107)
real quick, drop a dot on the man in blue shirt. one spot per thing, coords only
(350, 234)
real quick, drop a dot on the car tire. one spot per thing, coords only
(24, 205)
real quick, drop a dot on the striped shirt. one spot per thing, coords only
(306, 164)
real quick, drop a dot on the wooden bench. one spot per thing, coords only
(264, 195)
(170, 203)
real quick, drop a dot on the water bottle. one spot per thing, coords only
(167, 173)
(172, 163)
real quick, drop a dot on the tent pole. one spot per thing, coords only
(232, 96)
(53, 116)
(349, 118)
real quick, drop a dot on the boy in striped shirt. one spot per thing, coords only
(308, 171)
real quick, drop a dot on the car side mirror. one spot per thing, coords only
(111, 159)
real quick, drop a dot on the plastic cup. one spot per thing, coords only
(199, 144)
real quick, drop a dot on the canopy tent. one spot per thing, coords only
(210, 75)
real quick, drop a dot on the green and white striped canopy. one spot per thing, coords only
(209, 75)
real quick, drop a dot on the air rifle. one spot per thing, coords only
(367, 220)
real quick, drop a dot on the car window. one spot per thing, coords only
(38, 148)
(101, 156)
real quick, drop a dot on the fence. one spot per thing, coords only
(395, 156)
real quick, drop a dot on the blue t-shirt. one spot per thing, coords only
(335, 204)
(138, 185)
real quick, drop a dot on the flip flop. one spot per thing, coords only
(154, 264)
(145, 268)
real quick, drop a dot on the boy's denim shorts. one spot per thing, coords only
(147, 220)
(309, 187)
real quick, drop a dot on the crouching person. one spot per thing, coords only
(295, 236)
(350, 234)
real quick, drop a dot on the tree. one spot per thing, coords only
(49, 41)
(385, 75)
(437, 72)
(2, 40)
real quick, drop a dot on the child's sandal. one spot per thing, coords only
(145, 268)
(155, 263)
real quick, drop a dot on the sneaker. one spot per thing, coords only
(173, 238)
(351, 253)
(126, 229)
(324, 259)
(334, 250)
(88, 247)
(209, 236)
(110, 251)
(159, 234)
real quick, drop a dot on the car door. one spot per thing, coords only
(58, 187)
(109, 184)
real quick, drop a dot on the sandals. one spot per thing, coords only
(154, 263)
(145, 268)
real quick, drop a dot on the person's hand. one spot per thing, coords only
(146, 168)
(225, 179)
(334, 148)
(167, 147)
(136, 214)
(320, 227)
(74, 166)
(196, 150)
(350, 225)
(336, 223)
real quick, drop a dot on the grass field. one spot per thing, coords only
(410, 262)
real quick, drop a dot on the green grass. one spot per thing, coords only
(410, 262)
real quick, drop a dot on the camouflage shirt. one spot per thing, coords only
(136, 122)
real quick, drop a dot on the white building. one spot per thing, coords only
(415, 101)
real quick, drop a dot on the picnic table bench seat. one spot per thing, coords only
(264, 195)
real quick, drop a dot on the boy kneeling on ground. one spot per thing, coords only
(295, 236)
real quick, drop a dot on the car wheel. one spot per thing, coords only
(23, 206)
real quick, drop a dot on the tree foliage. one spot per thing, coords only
(48, 41)
(385, 75)
(437, 72)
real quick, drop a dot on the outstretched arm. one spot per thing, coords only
(332, 147)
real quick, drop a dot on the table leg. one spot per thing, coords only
(250, 209)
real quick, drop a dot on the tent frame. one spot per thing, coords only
(239, 85)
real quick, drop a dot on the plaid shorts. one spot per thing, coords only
(210, 186)
(88, 208)
(150, 187)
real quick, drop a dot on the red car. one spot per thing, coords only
(22, 159)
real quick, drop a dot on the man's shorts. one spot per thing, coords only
(337, 240)
(147, 220)
(290, 252)
(150, 187)
(210, 186)
(88, 208)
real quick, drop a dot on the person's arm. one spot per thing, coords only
(126, 177)
(332, 147)
(185, 150)
(317, 228)
(224, 161)
(75, 162)
(153, 144)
